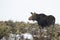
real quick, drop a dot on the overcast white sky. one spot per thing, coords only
(19, 10)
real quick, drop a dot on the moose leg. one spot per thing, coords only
(47, 33)
(40, 32)
(52, 31)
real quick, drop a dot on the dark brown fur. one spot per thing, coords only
(42, 19)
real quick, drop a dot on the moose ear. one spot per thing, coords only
(31, 13)
(34, 12)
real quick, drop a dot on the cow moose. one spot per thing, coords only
(43, 20)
